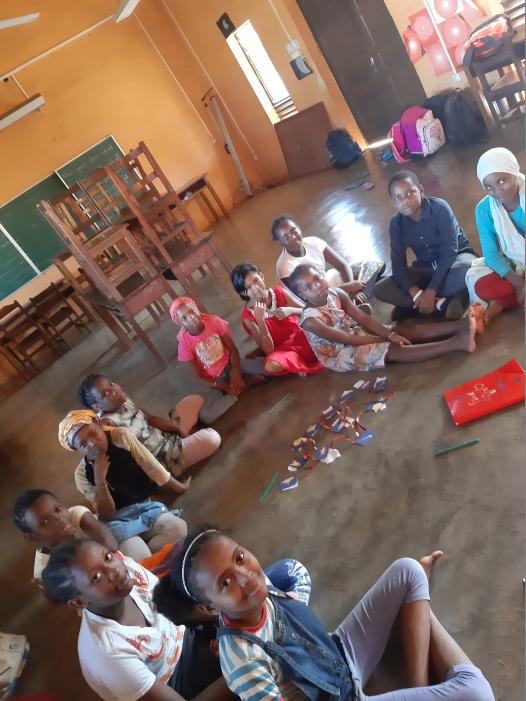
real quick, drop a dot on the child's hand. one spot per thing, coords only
(37, 582)
(360, 298)
(284, 312)
(185, 484)
(353, 288)
(260, 310)
(426, 302)
(399, 339)
(101, 467)
(237, 383)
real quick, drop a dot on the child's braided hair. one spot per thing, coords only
(57, 578)
(177, 592)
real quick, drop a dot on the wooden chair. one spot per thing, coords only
(23, 337)
(500, 79)
(152, 200)
(74, 284)
(56, 314)
(108, 258)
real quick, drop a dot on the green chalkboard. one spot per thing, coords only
(15, 271)
(106, 151)
(28, 228)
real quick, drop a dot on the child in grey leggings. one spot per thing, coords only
(365, 631)
(270, 646)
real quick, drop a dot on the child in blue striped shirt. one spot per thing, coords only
(272, 647)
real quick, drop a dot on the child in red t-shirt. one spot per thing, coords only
(206, 341)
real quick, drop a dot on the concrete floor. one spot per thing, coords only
(347, 521)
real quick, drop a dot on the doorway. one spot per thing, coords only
(368, 59)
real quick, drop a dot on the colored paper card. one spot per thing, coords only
(330, 411)
(347, 395)
(376, 406)
(288, 484)
(326, 454)
(364, 439)
(363, 385)
(299, 443)
(380, 384)
(297, 464)
(312, 430)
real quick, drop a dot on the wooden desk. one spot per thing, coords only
(196, 188)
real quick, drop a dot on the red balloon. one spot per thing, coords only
(413, 45)
(423, 28)
(446, 8)
(438, 58)
(455, 31)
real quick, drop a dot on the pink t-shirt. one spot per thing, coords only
(207, 348)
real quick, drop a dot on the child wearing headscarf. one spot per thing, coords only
(497, 280)
(117, 476)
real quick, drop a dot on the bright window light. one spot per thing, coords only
(261, 72)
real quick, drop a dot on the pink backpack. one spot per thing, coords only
(417, 133)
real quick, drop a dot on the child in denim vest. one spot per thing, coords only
(273, 647)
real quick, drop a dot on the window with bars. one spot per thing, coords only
(516, 10)
(261, 72)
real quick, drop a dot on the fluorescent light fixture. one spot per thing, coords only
(125, 9)
(24, 108)
(24, 19)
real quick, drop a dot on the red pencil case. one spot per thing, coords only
(485, 395)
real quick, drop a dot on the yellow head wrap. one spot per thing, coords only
(73, 420)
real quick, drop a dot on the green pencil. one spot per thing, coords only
(269, 487)
(443, 451)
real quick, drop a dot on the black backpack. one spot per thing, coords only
(463, 122)
(342, 148)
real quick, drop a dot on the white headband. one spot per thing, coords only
(194, 541)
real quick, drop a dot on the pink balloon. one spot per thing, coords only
(446, 8)
(413, 45)
(438, 58)
(455, 31)
(423, 28)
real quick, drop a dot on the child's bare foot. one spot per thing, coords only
(466, 337)
(476, 310)
(428, 561)
(252, 380)
(493, 309)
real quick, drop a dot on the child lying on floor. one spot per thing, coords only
(46, 522)
(344, 338)
(206, 341)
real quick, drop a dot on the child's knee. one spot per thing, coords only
(273, 367)
(409, 570)
(474, 685)
(213, 438)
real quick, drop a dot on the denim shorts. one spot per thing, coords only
(136, 519)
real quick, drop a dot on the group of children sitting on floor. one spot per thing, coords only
(216, 620)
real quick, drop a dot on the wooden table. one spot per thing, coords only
(196, 188)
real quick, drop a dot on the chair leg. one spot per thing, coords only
(144, 338)
(16, 364)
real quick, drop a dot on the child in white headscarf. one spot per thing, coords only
(497, 280)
